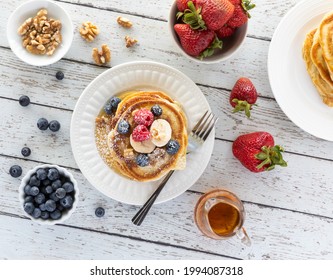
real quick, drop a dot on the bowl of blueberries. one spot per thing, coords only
(48, 194)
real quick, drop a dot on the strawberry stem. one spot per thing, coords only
(270, 157)
(216, 44)
(247, 5)
(242, 105)
(192, 16)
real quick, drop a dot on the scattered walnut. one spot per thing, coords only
(103, 56)
(89, 31)
(41, 35)
(124, 22)
(130, 41)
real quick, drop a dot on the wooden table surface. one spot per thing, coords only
(289, 210)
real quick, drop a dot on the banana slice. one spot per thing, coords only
(144, 147)
(160, 131)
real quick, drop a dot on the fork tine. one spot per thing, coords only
(202, 125)
(210, 129)
(206, 125)
(199, 122)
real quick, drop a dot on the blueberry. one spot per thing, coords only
(29, 207)
(142, 160)
(67, 201)
(123, 127)
(54, 126)
(36, 213)
(53, 174)
(46, 182)
(68, 186)
(56, 184)
(60, 193)
(34, 181)
(50, 205)
(172, 147)
(55, 215)
(54, 197)
(108, 108)
(60, 208)
(45, 215)
(42, 124)
(24, 100)
(60, 75)
(99, 212)
(28, 198)
(42, 207)
(41, 174)
(27, 189)
(34, 191)
(156, 110)
(15, 171)
(48, 189)
(40, 198)
(25, 151)
(114, 102)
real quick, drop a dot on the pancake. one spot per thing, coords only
(326, 40)
(325, 91)
(160, 162)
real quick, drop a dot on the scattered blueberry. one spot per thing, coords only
(42, 124)
(27, 189)
(36, 213)
(28, 198)
(46, 182)
(54, 197)
(60, 75)
(29, 207)
(67, 201)
(142, 160)
(68, 186)
(156, 110)
(54, 126)
(55, 215)
(53, 174)
(172, 147)
(45, 215)
(26, 151)
(99, 212)
(60, 193)
(50, 205)
(15, 171)
(40, 198)
(34, 181)
(48, 189)
(41, 174)
(108, 108)
(123, 127)
(114, 102)
(34, 191)
(42, 207)
(56, 184)
(24, 100)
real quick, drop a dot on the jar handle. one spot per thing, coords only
(244, 238)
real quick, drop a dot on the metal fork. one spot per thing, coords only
(197, 137)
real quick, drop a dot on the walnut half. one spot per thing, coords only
(103, 56)
(124, 22)
(130, 41)
(89, 31)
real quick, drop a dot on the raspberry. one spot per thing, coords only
(140, 133)
(144, 117)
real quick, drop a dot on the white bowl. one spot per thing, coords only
(230, 45)
(63, 172)
(30, 9)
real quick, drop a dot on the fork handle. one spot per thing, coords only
(142, 213)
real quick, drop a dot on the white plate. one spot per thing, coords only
(290, 82)
(124, 77)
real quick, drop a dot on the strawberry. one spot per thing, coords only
(207, 14)
(182, 4)
(197, 43)
(243, 95)
(225, 31)
(256, 151)
(241, 14)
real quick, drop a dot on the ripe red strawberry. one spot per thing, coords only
(207, 14)
(243, 96)
(182, 4)
(241, 14)
(225, 31)
(256, 151)
(197, 43)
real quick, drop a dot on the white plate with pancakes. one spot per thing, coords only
(137, 76)
(290, 82)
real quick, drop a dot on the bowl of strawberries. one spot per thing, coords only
(209, 31)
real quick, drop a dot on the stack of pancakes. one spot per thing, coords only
(160, 162)
(318, 56)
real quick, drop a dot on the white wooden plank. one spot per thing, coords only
(59, 242)
(276, 233)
